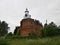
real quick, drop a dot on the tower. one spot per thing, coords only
(29, 26)
(27, 14)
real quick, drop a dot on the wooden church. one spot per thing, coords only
(29, 26)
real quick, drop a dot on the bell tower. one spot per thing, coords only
(27, 14)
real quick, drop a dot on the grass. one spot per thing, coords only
(43, 41)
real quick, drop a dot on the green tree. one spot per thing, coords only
(38, 22)
(3, 28)
(50, 29)
(16, 31)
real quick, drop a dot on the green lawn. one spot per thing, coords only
(43, 41)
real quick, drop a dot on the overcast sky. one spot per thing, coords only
(12, 11)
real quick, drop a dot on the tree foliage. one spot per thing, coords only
(3, 28)
(50, 30)
(16, 31)
(38, 22)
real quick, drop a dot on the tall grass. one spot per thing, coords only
(40, 41)
(3, 42)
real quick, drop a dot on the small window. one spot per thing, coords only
(26, 15)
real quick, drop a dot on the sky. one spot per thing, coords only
(12, 11)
